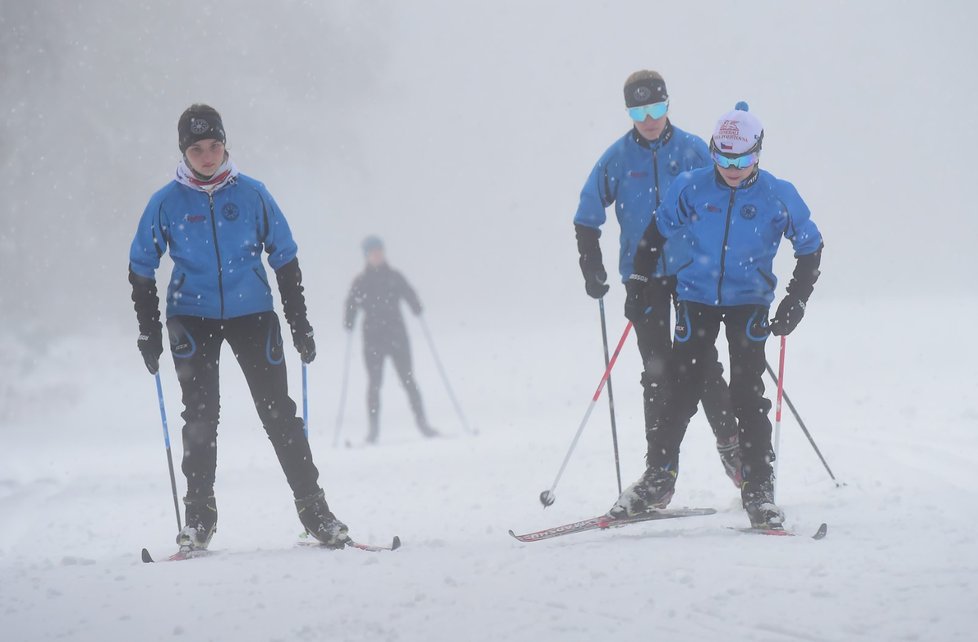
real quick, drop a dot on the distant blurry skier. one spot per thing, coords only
(379, 290)
(633, 174)
(729, 219)
(215, 222)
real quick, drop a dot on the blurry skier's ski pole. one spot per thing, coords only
(441, 370)
(305, 401)
(777, 415)
(346, 378)
(611, 395)
(169, 457)
(547, 497)
(801, 423)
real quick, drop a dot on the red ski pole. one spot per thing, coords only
(547, 497)
(777, 412)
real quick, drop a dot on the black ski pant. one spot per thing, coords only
(256, 341)
(654, 335)
(376, 348)
(693, 352)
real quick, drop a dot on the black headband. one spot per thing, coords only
(645, 91)
(197, 125)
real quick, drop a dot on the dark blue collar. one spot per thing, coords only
(747, 182)
(658, 142)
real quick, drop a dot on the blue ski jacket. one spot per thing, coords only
(215, 241)
(634, 174)
(722, 240)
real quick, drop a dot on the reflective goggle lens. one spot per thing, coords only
(740, 162)
(655, 110)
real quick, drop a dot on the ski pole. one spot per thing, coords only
(441, 370)
(804, 429)
(305, 401)
(169, 456)
(346, 378)
(777, 414)
(611, 395)
(547, 497)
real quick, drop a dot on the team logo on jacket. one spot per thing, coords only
(710, 207)
(674, 168)
(230, 211)
(637, 174)
(748, 211)
(195, 218)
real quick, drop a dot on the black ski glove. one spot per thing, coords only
(147, 305)
(802, 284)
(151, 347)
(306, 346)
(592, 266)
(643, 294)
(289, 278)
(789, 315)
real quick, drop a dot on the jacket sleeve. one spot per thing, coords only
(805, 239)
(799, 229)
(148, 246)
(667, 220)
(408, 294)
(353, 300)
(600, 191)
(289, 278)
(276, 235)
(150, 242)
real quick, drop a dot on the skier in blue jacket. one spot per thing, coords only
(215, 222)
(633, 174)
(728, 220)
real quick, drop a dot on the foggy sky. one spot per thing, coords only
(462, 133)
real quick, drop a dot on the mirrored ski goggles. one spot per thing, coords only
(740, 162)
(655, 110)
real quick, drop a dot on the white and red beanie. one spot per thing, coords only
(738, 132)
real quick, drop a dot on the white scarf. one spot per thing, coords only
(225, 174)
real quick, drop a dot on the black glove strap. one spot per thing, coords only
(806, 273)
(289, 278)
(146, 302)
(589, 247)
(649, 249)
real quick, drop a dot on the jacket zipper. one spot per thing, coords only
(723, 249)
(217, 253)
(655, 173)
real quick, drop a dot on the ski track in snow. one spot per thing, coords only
(80, 494)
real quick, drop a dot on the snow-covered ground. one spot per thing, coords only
(83, 486)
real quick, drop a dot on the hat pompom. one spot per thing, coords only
(742, 106)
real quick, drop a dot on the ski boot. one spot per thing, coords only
(758, 499)
(322, 524)
(730, 457)
(654, 489)
(201, 523)
(374, 431)
(427, 430)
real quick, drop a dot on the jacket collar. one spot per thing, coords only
(657, 143)
(747, 182)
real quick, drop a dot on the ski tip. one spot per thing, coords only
(396, 544)
(821, 532)
(147, 558)
(512, 534)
